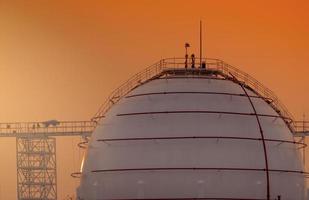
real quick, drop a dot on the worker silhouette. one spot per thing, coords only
(187, 45)
(193, 61)
(186, 61)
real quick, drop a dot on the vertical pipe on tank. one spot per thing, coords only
(200, 43)
(263, 141)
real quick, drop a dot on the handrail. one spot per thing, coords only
(228, 71)
(301, 126)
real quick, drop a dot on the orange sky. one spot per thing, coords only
(60, 59)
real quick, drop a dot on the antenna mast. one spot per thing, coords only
(200, 43)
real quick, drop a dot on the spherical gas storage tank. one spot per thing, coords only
(178, 133)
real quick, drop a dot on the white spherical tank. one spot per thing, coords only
(192, 135)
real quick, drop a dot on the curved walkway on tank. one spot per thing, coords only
(215, 67)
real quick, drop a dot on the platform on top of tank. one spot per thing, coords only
(190, 71)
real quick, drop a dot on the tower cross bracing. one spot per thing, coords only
(36, 160)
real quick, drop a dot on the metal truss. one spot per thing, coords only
(36, 168)
(47, 128)
(36, 154)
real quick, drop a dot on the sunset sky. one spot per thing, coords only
(61, 59)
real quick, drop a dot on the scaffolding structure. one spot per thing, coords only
(36, 168)
(36, 159)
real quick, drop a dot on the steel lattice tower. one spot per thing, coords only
(36, 168)
(36, 154)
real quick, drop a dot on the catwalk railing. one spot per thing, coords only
(47, 128)
(165, 66)
(301, 128)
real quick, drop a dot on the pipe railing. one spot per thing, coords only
(228, 71)
(301, 126)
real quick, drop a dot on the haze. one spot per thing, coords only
(61, 59)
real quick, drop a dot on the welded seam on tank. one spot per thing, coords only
(206, 93)
(198, 168)
(263, 142)
(194, 198)
(200, 112)
(303, 145)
